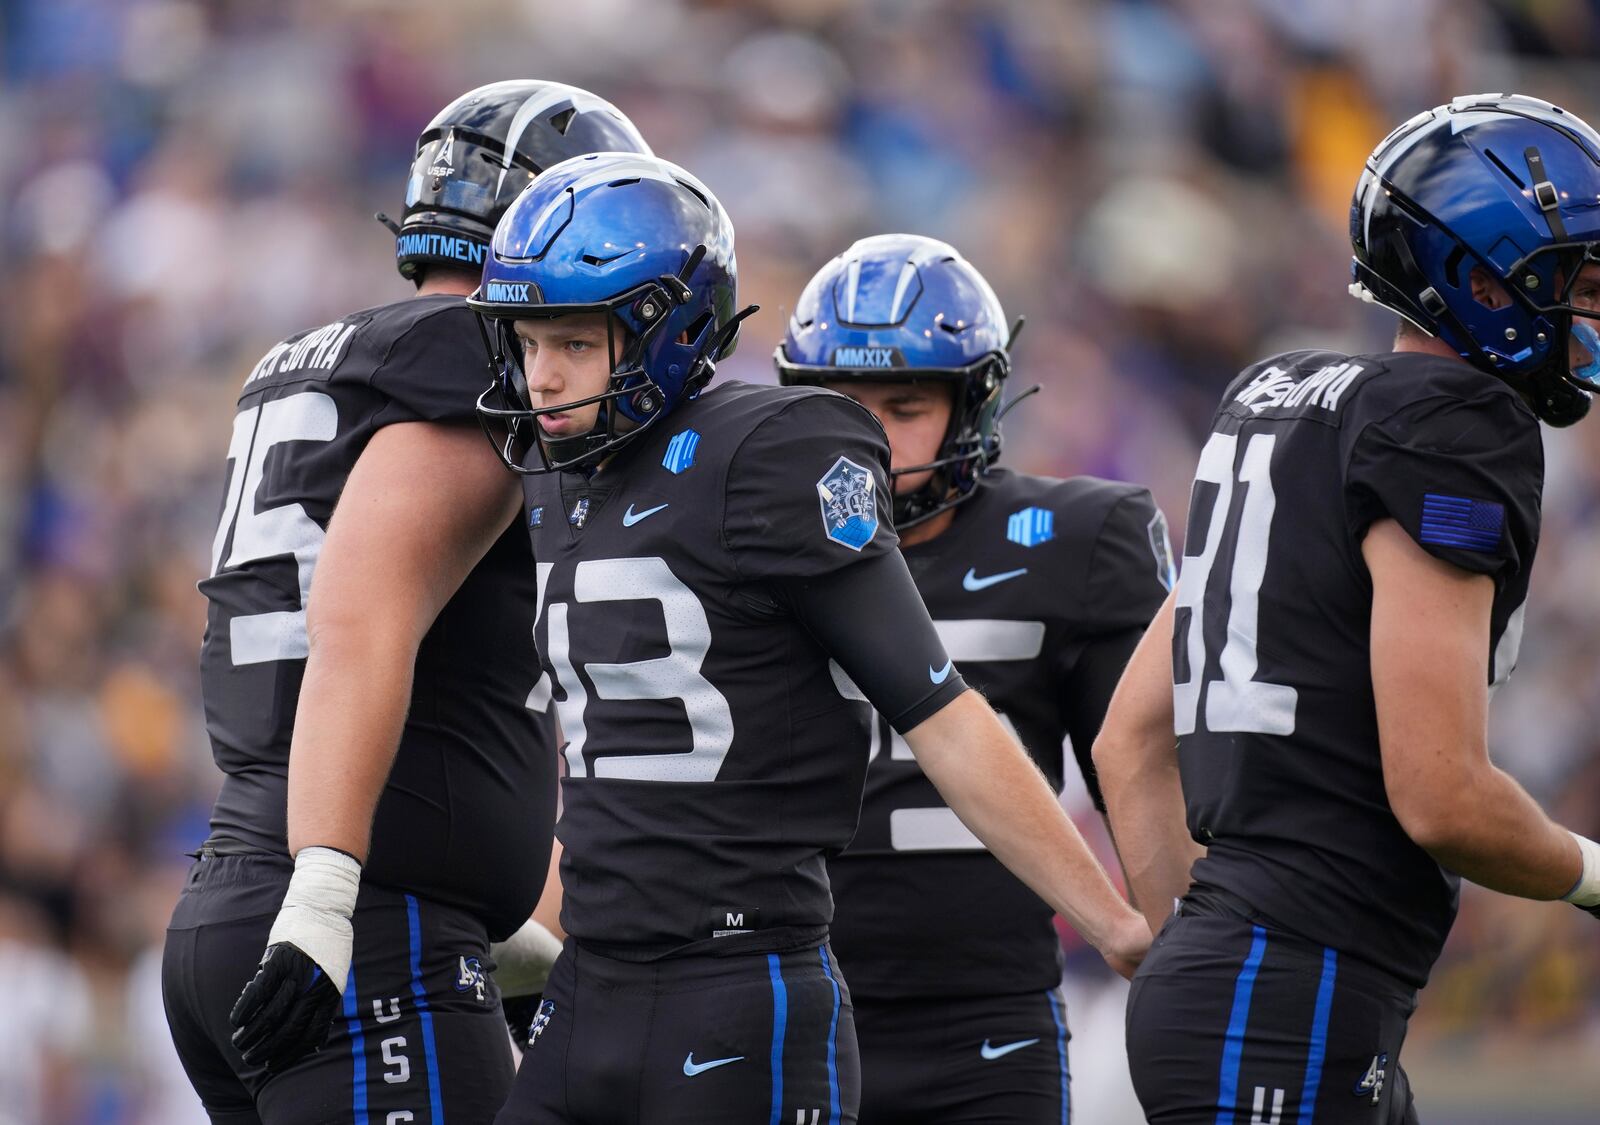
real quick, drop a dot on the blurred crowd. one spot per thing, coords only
(1161, 187)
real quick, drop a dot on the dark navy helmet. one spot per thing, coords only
(1507, 183)
(904, 308)
(629, 235)
(482, 149)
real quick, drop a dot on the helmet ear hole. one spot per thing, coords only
(696, 329)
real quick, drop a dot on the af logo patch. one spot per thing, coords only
(1161, 545)
(1372, 1081)
(848, 495)
(470, 978)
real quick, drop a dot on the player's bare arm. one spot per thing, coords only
(998, 792)
(1136, 757)
(1430, 645)
(422, 506)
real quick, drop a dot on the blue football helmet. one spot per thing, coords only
(1504, 182)
(904, 308)
(481, 150)
(621, 233)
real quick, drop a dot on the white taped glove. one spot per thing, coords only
(284, 1013)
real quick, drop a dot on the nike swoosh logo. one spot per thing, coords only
(1001, 1052)
(692, 1068)
(939, 675)
(972, 582)
(631, 517)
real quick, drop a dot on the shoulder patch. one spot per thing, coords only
(680, 451)
(848, 495)
(1031, 526)
(1455, 521)
(1161, 546)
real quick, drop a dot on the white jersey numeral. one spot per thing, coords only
(676, 675)
(257, 638)
(1237, 701)
(937, 828)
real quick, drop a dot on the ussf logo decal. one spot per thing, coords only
(848, 495)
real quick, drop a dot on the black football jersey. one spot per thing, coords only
(474, 780)
(1040, 589)
(1277, 729)
(692, 593)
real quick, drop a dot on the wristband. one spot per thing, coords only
(315, 916)
(523, 960)
(1586, 891)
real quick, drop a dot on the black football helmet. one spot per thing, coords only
(482, 149)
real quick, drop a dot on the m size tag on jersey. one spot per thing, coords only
(726, 921)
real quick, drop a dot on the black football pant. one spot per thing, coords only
(965, 1060)
(420, 1038)
(743, 1039)
(1233, 1023)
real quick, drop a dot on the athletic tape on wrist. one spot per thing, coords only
(1586, 892)
(315, 916)
(523, 960)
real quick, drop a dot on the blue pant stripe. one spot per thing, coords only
(358, 1052)
(1058, 1013)
(780, 1022)
(435, 1100)
(1233, 1047)
(833, 1035)
(1319, 1036)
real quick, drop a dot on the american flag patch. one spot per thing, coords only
(1455, 521)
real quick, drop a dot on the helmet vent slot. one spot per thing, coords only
(1500, 164)
(696, 192)
(561, 121)
(1452, 266)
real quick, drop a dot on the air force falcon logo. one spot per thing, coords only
(848, 494)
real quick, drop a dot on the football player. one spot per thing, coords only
(720, 592)
(368, 651)
(1039, 590)
(1360, 537)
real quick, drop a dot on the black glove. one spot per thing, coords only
(520, 1012)
(286, 1011)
